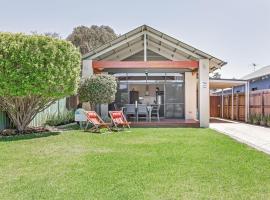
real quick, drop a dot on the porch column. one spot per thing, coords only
(232, 105)
(204, 93)
(246, 101)
(248, 90)
(87, 69)
(190, 95)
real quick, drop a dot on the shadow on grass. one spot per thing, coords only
(71, 127)
(27, 136)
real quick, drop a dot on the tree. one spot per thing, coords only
(98, 89)
(88, 38)
(35, 71)
(53, 35)
(50, 34)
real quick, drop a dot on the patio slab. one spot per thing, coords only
(255, 136)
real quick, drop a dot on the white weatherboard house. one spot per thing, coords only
(154, 68)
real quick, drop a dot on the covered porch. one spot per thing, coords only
(152, 92)
(155, 70)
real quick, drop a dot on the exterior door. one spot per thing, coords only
(174, 100)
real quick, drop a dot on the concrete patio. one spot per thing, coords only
(255, 136)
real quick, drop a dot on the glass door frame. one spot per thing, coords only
(157, 82)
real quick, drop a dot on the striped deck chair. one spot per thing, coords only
(96, 121)
(119, 120)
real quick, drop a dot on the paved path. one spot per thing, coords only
(254, 136)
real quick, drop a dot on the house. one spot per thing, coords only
(258, 80)
(154, 68)
(258, 91)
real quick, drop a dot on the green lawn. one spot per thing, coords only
(142, 164)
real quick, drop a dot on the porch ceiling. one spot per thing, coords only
(225, 83)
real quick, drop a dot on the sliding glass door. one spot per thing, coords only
(174, 100)
(165, 89)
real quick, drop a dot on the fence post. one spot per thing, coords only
(262, 103)
(228, 107)
(237, 106)
(232, 117)
(222, 104)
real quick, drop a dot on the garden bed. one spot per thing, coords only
(13, 132)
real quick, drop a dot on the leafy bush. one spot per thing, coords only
(98, 89)
(268, 121)
(61, 119)
(256, 119)
(35, 71)
(263, 121)
(250, 119)
(259, 119)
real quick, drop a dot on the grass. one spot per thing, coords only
(142, 164)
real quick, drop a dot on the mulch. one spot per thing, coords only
(13, 132)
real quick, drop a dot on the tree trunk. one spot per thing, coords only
(22, 110)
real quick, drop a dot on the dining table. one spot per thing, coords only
(149, 110)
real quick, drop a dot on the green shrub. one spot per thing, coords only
(263, 121)
(98, 89)
(35, 71)
(61, 119)
(250, 119)
(256, 119)
(268, 120)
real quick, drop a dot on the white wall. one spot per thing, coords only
(190, 95)
(87, 71)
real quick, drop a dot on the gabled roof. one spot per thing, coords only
(133, 42)
(258, 73)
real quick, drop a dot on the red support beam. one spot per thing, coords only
(101, 65)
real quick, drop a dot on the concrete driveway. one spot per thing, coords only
(254, 136)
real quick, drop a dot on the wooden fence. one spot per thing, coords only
(259, 103)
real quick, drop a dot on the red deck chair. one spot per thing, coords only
(96, 121)
(118, 119)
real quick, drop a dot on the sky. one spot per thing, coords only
(236, 31)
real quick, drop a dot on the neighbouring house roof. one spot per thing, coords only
(264, 71)
(225, 83)
(132, 43)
